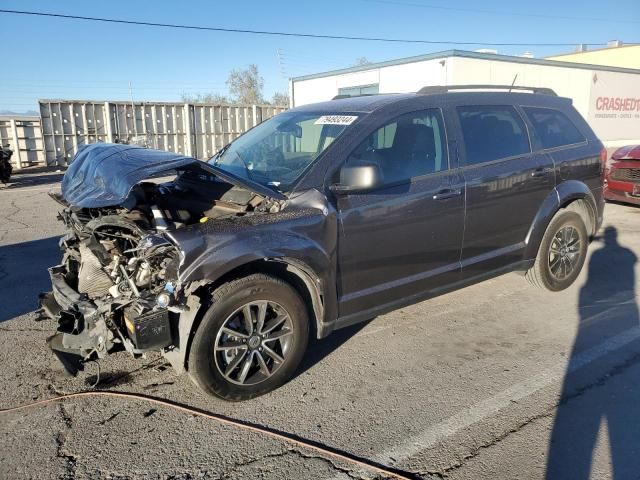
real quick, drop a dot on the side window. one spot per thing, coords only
(492, 132)
(553, 127)
(409, 146)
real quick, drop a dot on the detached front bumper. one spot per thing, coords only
(82, 330)
(88, 329)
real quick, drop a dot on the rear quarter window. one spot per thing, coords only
(492, 132)
(553, 127)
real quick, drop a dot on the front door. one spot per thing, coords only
(402, 239)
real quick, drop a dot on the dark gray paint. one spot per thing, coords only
(398, 241)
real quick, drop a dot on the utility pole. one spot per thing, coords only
(133, 111)
(131, 93)
(282, 64)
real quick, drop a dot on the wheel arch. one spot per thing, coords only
(572, 195)
(294, 272)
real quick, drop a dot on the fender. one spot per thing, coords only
(209, 252)
(562, 195)
(324, 308)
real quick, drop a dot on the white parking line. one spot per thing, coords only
(490, 406)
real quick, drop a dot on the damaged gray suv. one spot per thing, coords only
(321, 217)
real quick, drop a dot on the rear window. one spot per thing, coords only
(492, 132)
(553, 127)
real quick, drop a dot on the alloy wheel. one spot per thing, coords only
(564, 252)
(253, 342)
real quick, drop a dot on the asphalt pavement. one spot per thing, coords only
(496, 381)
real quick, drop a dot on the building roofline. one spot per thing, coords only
(466, 54)
(19, 116)
(625, 45)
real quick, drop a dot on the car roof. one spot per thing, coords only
(371, 103)
(362, 104)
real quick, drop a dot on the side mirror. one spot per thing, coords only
(357, 178)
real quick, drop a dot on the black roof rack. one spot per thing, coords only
(430, 90)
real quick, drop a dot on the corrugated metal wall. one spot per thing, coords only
(22, 134)
(215, 126)
(196, 130)
(68, 125)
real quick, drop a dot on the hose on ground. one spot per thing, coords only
(388, 472)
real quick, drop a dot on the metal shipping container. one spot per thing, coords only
(22, 134)
(197, 130)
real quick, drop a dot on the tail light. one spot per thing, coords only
(603, 160)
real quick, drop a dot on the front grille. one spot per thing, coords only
(626, 174)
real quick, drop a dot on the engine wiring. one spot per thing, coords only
(386, 471)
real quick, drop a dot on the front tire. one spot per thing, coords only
(251, 339)
(562, 253)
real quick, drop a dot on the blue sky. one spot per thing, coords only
(55, 58)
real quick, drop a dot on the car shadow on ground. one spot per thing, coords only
(320, 349)
(607, 307)
(23, 275)
(33, 180)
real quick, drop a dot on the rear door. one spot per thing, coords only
(402, 239)
(505, 183)
(574, 157)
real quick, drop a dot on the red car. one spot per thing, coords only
(622, 180)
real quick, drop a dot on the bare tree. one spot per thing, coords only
(362, 61)
(211, 98)
(280, 99)
(245, 85)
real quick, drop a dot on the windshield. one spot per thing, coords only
(278, 151)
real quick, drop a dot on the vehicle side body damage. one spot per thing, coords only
(138, 253)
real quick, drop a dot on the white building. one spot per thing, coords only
(608, 97)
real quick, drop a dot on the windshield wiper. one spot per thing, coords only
(250, 184)
(216, 158)
(216, 164)
(244, 164)
(275, 186)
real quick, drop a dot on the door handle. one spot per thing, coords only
(447, 193)
(540, 172)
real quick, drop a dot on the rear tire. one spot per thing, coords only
(561, 254)
(235, 358)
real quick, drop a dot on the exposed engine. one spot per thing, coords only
(125, 271)
(111, 255)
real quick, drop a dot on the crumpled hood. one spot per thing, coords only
(103, 174)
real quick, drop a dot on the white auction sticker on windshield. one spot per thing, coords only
(336, 120)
